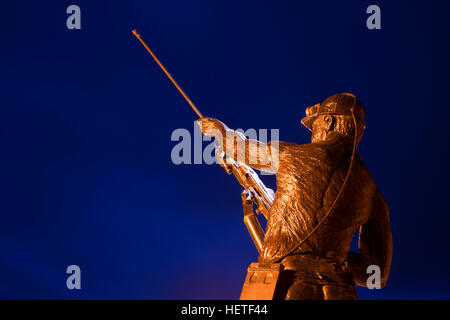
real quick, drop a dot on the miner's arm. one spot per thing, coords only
(375, 245)
(256, 154)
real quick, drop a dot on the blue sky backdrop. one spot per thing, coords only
(86, 117)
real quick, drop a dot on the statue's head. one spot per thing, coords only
(334, 116)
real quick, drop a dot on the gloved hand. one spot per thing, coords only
(211, 127)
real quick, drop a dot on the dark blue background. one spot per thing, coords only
(86, 118)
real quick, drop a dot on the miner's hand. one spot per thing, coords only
(211, 127)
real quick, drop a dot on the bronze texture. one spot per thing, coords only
(323, 196)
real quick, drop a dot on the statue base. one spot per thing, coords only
(261, 281)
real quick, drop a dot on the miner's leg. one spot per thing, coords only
(301, 290)
(339, 292)
(292, 287)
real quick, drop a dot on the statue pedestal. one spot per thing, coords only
(261, 281)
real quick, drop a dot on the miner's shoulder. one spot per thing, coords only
(305, 153)
(290, 146)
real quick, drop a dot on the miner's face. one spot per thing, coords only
(321, 127)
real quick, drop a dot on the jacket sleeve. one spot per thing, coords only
(253, 153)
(375, 245)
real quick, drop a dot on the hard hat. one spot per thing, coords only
(338, 104)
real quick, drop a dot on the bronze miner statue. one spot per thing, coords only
(325, 193)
